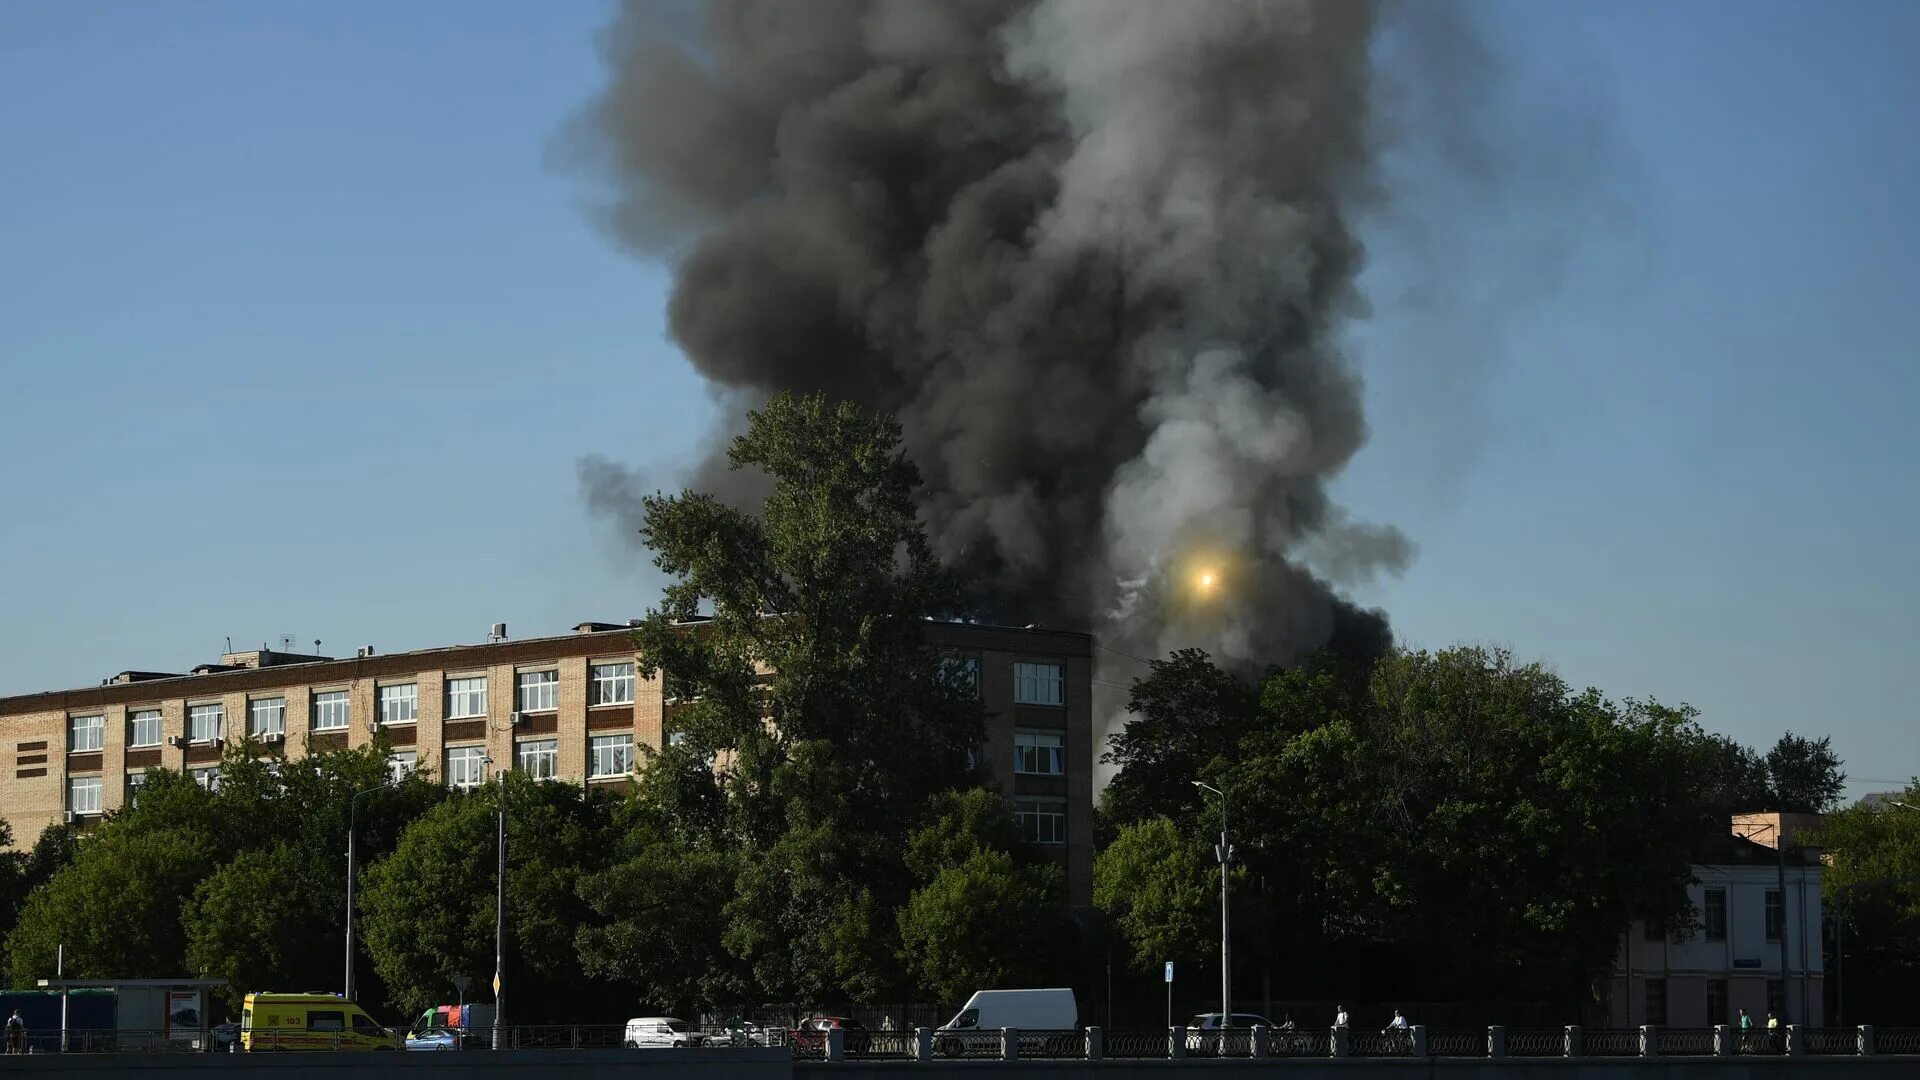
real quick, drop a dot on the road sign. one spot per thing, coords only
(1169, 971)
(496, 984)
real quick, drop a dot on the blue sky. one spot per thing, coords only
(301, 332)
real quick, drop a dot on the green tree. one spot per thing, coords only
(1804, 775)
(1871, 888)
(817, 715)
(1186, 712)
(656, 913)
(983, 913)
(116, 907)
(427, 910)
(1155, 884)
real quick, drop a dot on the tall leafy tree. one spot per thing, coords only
(428, 908)
(1154, 882)
(983, 913)
(1871, 889)
(1804, 775)
(794, 650)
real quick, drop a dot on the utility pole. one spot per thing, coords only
(353, 809)
(1224, 852)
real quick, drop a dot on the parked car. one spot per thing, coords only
(739, 1031)
(452, 1027)
(226, 1037)
(658, 1031)
(812, 1033)
(1204, 1034)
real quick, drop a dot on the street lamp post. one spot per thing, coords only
(353, 810)
(1224, 852)
(500, 927)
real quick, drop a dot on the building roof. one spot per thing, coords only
(588, 639)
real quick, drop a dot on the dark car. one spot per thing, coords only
(226, 1038)
(812, 1032)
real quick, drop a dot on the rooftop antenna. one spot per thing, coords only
(286, 642)
(316, 646)
(229, 642)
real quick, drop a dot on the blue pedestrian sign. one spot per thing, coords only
(1169, 971)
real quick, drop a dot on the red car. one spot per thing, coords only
(812, 1033)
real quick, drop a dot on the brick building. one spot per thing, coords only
(568, 708)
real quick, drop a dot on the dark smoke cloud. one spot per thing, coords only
(1093, 254)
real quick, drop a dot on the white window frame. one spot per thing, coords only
(606, 751)
(276, 719)
(537, 691)
(1031, 752)
(402, 764)
(538, 758)
(138, 718)
(83, 795)
(196, 714)
(332, 710)
(207, 779)
(397, 703)
(135, 781)
(1042, 820)
(610, 683)
(1039, 682)
(86, 733)
(470, 693)
(462, 763)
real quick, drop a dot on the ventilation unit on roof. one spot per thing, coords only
(498, 633)
(363, 651)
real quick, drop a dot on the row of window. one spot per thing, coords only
(1034, 682)
(396, 703)
(1716, 1001)
(1713, 917)
(608, 756)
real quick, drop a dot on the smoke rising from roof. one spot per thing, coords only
(1093, 253)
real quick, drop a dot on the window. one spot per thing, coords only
(267, 716)
(466, 767)
(1776, 915)
(962, 673)
(610, 684)
(328, 1020)
(399, 704)
(135, 781)
(1042, 821)
(1657, 1002)
(1039, 752)
(204, 721)
(539, 691)
(612, 755)
(1777, 999)
(1716, 1001)
(1715, 915)
(1653, 932)
(83, 794)
(330, 711)
(144, 728)
(401, 764)
(1038, 684)
(466, 697)
(207, 779)
(540, 759)
(86, 733)
(675, 738)
(364, 1025)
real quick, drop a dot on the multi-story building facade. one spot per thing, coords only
(571, 708)
(1753, 906)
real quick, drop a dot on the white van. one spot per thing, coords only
(1028, 1010)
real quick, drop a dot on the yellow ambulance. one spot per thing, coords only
(310, 1022)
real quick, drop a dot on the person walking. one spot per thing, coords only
(1340, 1016)
(1746, 1032)
(16, 1033)
(1773, 1034)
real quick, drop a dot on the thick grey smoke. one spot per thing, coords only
(1093, 253)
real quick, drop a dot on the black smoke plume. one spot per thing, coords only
(1093, 253)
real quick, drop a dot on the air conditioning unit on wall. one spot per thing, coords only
(275, 738)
